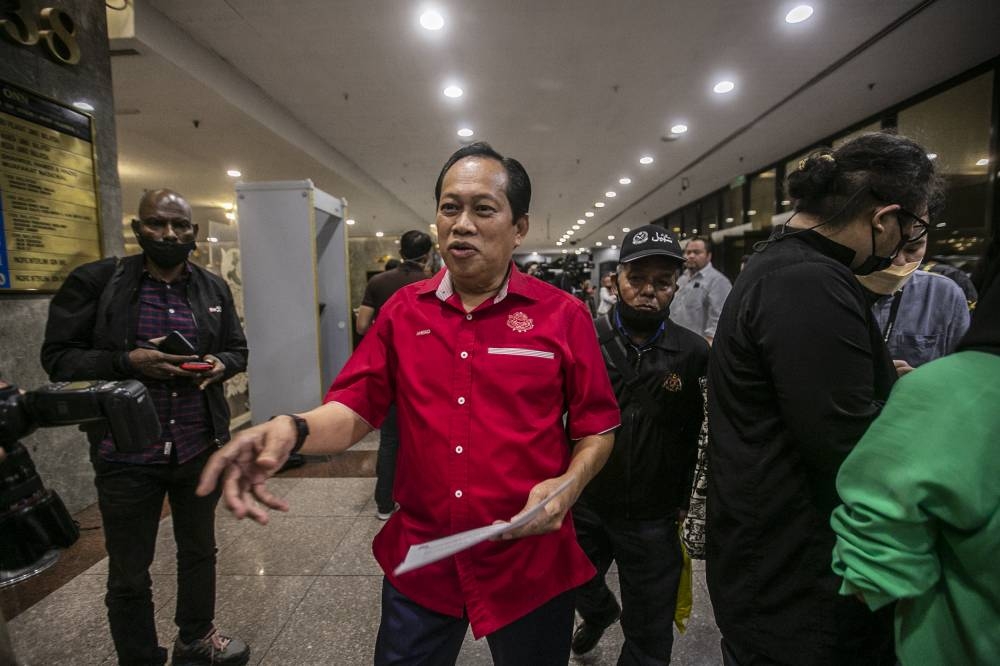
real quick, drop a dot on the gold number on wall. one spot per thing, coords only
(18, 20)
(60, 35)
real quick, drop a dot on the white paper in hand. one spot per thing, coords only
(422, 554)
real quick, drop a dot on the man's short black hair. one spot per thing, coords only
(414, 244)
(518, 183)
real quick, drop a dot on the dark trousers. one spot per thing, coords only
(649, 568)
(131, 499)
(415, 636)
(385, 463)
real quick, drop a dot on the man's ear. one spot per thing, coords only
(194, 227)
(521, 226)
(879, 218)
(136, 224)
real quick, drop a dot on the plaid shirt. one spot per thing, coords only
(184, 419)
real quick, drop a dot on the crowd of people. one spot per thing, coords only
(852, 491)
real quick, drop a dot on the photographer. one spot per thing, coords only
(105, 323)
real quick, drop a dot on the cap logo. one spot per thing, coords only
(640, 238)
(659, 237)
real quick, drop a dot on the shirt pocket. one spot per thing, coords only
(522, 360)
(919, 349)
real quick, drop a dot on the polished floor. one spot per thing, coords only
(303, 590)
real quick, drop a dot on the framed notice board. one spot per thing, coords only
(49, 204)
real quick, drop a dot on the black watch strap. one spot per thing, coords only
(301, 429)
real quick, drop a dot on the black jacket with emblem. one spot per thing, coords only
(93, 320)
(651, 467)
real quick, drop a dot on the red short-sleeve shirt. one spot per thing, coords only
(488, 402)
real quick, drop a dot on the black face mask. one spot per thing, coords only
(165, 254)
(876, 263)
(640, 321)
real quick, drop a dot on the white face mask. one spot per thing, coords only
(889, 281)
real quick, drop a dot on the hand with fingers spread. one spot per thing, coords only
(551, 517)
(158, 365)
(245, 463)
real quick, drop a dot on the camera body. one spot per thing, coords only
(34, 522)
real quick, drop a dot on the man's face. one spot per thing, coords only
(696, 257)
(475, 224)
(648, 284)
(167, 218)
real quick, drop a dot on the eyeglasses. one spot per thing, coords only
(919, 229)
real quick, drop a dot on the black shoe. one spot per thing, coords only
(212, 649)
(587, 635)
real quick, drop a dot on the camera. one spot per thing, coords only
(34, 522)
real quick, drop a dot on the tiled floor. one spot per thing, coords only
(303, 590)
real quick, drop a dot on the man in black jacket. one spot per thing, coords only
(629, 512)
(105, 323)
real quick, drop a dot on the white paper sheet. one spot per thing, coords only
(422, 554)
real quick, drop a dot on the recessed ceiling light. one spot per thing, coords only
(350, 221)
(230, 216)
(379, 234)
(932, 156)
(83, 106)
(694, 231)
(982, 162)
(234, 173)
(212, 239)
(679, 128)
(723, 87)
(625, 230)
(598, 204)
(940, 224)
(713, 225)
(589, 213)
(749, 212)
(570, 232)
(453, 91)
(729, 219)
(786, 202)
(581, 221)
(431, 20)
(614, 247)
(565, 251)
(646, 159)
(598, 243)
(611, 237)
(625, 181)
(610, 195)
(799, 14)
(465, 131)
(576, 227)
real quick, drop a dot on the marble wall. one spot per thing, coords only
(61, 453)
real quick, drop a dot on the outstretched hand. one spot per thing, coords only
(552, 515)
(245, 463)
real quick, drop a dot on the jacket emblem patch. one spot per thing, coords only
(520, 322)
(673, 383)
(216, 309)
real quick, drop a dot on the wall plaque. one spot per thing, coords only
(49, 202)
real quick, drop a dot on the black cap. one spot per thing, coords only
(650, 240)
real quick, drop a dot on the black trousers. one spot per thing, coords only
(415, 636)
(649, 561)
(130, 498)
(385, 462)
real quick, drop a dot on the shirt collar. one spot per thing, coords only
(182, 278)
(821, 243)
(517, 283)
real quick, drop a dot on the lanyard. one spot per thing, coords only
(893, 311)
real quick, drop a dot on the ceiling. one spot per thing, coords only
(349, 94)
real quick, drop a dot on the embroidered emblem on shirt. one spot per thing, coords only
(217, 309)
(426, 331)
(640, 238)
(520, 322)
(673, 383)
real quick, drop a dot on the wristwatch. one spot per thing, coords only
(301, 429)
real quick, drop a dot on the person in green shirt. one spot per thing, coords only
(920, 522)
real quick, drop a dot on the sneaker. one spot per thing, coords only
(384, 515)
(212, 649)
(587, 635)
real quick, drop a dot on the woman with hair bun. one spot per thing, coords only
(798, 372)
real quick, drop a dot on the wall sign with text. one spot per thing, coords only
(49, 203)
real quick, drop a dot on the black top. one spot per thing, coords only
(649, 473)
(798, 371)
(385, 284)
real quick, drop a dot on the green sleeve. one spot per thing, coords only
(924, 464)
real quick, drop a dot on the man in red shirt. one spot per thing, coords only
(501, 389)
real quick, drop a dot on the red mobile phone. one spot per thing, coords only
(196, 366)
